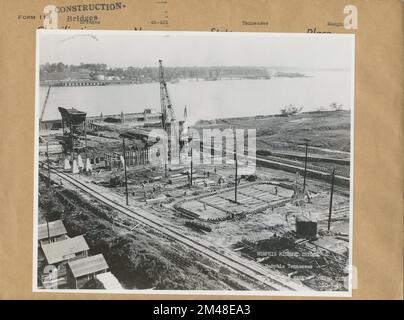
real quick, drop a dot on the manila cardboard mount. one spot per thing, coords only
(378, 154)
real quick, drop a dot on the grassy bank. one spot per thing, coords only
(325, 129)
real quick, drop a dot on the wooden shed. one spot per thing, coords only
(60, 252)
(53, 231)
(80, 271)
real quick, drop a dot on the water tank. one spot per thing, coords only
(306, 227)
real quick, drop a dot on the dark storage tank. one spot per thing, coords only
(306, 227)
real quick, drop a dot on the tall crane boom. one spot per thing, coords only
(167, 110)
(44, 105)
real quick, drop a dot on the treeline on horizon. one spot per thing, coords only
(48, 70)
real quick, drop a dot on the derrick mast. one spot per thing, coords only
(167, 111)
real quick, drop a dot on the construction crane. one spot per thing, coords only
(44, 105)
(167, 110)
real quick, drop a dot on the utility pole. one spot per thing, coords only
(332, 192)
(72, 140)
(192, 165)
(48, 163)
(47, 227)
(85, 147)
(85, 137)
(49, 184)
(236, 166)
(305, 167)
(124, 167)
(192, 161)
(178, 140)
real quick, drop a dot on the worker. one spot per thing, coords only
(276, 190)
(308, 197)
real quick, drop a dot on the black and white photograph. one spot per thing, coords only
(194, 162)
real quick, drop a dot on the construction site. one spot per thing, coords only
(284, 226)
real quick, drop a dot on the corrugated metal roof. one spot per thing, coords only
(109, 281)
(89, 265)
(64, 250)
(56, 228)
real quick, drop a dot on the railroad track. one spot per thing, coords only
(249, 268)
(300, 164)
(343, 175)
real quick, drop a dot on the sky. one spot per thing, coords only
(139, 49)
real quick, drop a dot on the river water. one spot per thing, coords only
(208, 99)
